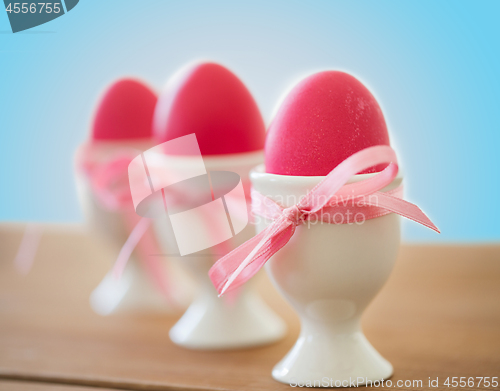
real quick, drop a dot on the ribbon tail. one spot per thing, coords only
(244, 262)
(405, 209)
(147, 247)
(28, 248)
(126, 251)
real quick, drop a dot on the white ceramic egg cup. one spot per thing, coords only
(134, 291)
(329, 274)
(211, 322)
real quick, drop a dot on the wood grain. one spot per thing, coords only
(14, 385)
(438, 316)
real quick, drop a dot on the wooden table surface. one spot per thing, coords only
(16, 385)
(438, 316)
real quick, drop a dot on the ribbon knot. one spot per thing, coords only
(294, 215)
(235, 268)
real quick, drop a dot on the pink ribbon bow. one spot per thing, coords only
(110, 186)
(332, 192)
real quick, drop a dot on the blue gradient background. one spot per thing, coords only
(434, 67)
